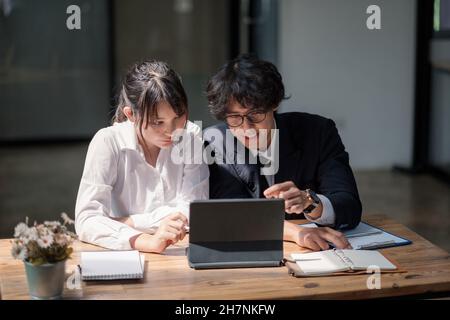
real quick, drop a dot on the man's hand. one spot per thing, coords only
(295, 200)
(315, 238)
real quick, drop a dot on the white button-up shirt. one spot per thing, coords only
(118, 182)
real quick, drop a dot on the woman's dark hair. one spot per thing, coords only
(144, 86)
(253, 83)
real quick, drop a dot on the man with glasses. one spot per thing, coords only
(295, 156)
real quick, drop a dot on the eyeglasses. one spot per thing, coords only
(236, 120)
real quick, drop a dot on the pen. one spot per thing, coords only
(307, 259)
(301, 260)
(363, 234)
(377, 245)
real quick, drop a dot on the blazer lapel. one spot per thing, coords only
(249, 174)
(289, 154)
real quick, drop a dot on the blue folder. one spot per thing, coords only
(368, 237)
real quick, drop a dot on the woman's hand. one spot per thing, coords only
(315, 239)
(171, 230)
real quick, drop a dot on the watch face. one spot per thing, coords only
(314, 198)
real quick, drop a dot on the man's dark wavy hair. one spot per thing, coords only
(255, 84)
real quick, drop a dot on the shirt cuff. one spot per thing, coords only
(149, 222)
(145, 222)
(124, 239)
(328, 216)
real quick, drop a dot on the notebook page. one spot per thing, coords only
(318, 263)
(362, 259)
(112, 264)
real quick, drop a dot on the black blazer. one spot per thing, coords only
(311, 154)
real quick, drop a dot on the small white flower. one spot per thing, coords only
(52, 224)
(66, 218)
(19, 251)
(20, 230)
(31, 235)
(61, 239)
(45, 241)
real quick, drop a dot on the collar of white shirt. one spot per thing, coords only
(266, 154)
(127, 135)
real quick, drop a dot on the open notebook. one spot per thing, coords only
(367, 237)
(112, 265)
(337, 261)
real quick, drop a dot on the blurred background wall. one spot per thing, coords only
(362, 79)
(54, 83)
(192, 36)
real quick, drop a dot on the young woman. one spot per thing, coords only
(133, 195)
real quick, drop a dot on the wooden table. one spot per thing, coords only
(168, 276)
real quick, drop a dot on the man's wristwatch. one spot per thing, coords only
(315, 201)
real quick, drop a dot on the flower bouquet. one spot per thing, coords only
(44, 249)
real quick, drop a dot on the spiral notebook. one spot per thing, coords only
(112, 265)
(337, 261)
